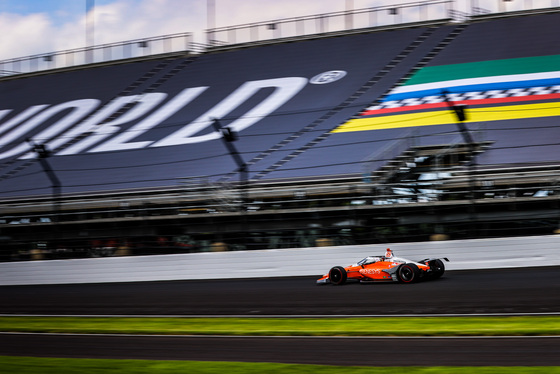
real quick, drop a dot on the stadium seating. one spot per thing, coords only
(294, 138)
(375, 107)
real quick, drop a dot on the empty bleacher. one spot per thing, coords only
(133, 142)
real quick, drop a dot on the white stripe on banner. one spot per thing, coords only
(475, 81)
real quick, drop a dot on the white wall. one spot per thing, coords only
(463, 254)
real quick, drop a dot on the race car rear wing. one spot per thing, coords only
(439, 258)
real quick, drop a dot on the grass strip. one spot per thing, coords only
(367, 326)
(25, 365)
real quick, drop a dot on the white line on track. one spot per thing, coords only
(284, 336)
(284, 315)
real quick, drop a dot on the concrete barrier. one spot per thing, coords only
(463, 254)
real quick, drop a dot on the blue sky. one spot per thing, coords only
(31, 27)
(61, 11)
(40, 26)
(37, 6)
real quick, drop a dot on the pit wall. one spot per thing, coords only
(532, 251)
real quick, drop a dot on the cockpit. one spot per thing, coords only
(369, 260)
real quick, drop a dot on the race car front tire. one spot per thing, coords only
(337, 275)
(408, 273)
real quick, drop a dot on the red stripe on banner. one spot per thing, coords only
(463, 102)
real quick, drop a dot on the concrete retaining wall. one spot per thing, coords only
(463, 254)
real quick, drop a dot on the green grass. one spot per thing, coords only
(380, 326)
(27, 365)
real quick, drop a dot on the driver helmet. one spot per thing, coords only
(389, 253)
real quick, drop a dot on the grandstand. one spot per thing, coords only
(440, 128)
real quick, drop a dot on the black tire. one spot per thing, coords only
(437, 267)
(408, 273)
(337, 275)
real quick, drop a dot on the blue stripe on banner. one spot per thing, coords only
(475, 88)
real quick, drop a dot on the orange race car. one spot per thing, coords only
(386, 268)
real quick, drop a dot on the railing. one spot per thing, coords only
(507, 205)
(330, 22)
(480, 7)
(389, 152)
(452, 188)
(99, 53)
(300, 27)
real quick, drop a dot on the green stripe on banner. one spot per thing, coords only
(525, 65)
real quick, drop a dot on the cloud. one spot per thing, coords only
(120, 20)
(123, 20)
(235, 13)
(24, 35)
(126, 19)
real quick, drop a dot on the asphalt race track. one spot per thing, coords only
(530, 351)
(529, 290)
(519, 290)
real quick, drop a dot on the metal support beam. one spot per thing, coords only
(42, 154)
(228, 137)
(461, 115)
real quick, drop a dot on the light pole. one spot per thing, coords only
(42, 154)
(210, 20)
(349, 16)
(90, 30)
(228, 137)
(461, 116)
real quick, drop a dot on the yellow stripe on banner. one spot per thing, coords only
(502, 113)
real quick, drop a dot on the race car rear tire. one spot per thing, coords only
(408, 273)
(337, 275)
(437, 267)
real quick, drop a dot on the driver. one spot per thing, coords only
(389, 253)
